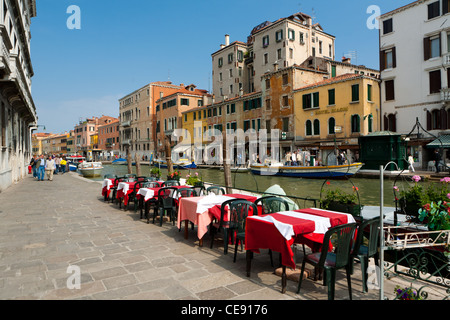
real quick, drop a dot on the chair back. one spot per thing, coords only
(342, 239)
(216, 190)
(146, 184)
(272, 204)
(171, 183)
(166, 197)
(110, 176)
(129, 179)
(143, 178)
(199, 190)
(186, 192)
(238, 210)
(118, 180)
(373, 226)
(130, 175)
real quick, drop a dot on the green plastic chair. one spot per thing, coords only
(330, 262)
(166, 204)
(361, 252)
(216, 190)
(171, 183)
(238, 217)
(272, 204)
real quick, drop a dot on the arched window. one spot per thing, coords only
(316, 127)
(390, 122)
(356, 123)
(308, 128)
(331, 125)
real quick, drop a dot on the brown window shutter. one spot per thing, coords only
(443, 119)
(435, 81)
(426, 48)
(428, 120)
(444, 6)
(394, 58)
(389, 88)
(382, 60)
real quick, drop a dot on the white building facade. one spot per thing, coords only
(414, 65)
(17, 110)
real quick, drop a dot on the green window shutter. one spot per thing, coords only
(305, 101)
(316, 99)
(308, 128)
(331, 97)
(316, 127)
(369, 92)
(355, 92)
(333, 71)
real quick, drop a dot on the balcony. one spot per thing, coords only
(446, 60)
(126, 142)
(126, 123)
(445, 94)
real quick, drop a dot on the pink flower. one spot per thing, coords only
(416, 178)
(395, 188)
(196, 174)
(448, 195)
(446, 179)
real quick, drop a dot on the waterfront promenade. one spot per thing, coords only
(48, 226)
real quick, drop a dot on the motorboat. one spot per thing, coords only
(90, 169)
(74, 161)
(314, 172)
(120, 161)
(181, 164)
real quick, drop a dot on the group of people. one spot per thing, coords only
(297, 158)
(49, 165)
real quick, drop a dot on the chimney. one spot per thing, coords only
(346, 60)
(227, 40)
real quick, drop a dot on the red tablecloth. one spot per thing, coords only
(215, 211)
(261, 234)
(106, 186)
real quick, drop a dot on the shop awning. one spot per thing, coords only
(441, 142)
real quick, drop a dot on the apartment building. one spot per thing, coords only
(336, 112)
(137, 117)
(169, 113)
(36, 142)
(108, 139)
(17, 110)
(415, 63)
(55, 144)
(85, 130)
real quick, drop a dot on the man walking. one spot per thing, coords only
(437, 159)
(50, 168)
(41, 169)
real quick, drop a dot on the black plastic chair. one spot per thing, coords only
(330, 262)
(186, 192)
(130, 175)
(166, 204)
(109, 176)
(216, 190)
(361, 251)
(272, 204)
(113, 189)
(132, 197)
(226, 225)
(170, 183)
(200, 190)
(151, 203)
(238, 217)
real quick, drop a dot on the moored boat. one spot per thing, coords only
(182, 164)
(90, 169)
(74, 161)
(313, 172)
(120, 161)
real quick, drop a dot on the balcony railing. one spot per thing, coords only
(445, 94)
(446, 59)
(126, 123)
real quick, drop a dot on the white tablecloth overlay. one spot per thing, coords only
(210, 201)
(146, 193)
(124, 187)
(107, 183)
(322, 224)
(350, 218)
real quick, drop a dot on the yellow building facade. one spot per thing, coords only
(336, 112)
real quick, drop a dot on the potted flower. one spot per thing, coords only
(436, 215)
(155, 172)
(194, 180)
(174, 176)
(338, 200)
(406, 293)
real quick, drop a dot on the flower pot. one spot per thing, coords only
(353, 208)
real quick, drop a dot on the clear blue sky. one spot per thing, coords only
(123, 45)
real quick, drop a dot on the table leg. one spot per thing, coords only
(249, 257)
(200, 242)
(283, 280)
(186, 228)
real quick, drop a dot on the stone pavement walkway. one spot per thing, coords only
(48, 226)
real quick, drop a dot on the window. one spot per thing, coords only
(389, 90)
(285, 101)
(432, 47)
(240, 55)
(184, 101)
(370, 122)
(266, 58)
(291, 53)
(308, 128)
(387, 26)
(445, 6)
(230, 58)
(267, 104)
(320, 47)
(291, 34)
(333, 71)
(279, 35)
(285, 124)
(233, 108)
(220, 62)
(369, 92)
(3, 125)
(279, 54)
(267, 83)
(265, 41)
(435, 81)
(331, 97)
(331, 125)
(356, 123)
(302, 39)
(316, 127)
(285, 79)
(388, 59)
(311, 100)
(231, 73)
(355, 92)
(433, 10)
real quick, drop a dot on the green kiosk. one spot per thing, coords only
(379, 148)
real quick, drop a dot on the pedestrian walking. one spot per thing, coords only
(437, 159)
(63, 164)
(57, 164)
(411, 163)
(33, 166)
(41, 168)
(50, 168)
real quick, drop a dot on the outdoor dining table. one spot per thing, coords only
(202, 210)
(279, 231)
(145, 194)
(106, 187)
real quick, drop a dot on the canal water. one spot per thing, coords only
(368, 188)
